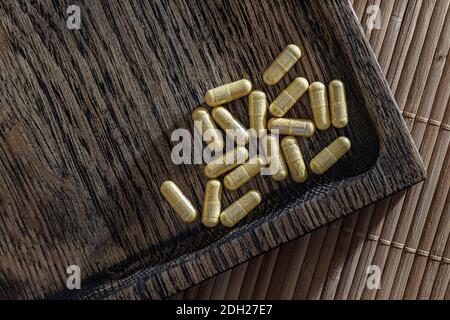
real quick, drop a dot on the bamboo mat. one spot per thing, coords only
(407, 235)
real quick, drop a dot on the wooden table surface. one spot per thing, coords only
(406, 236)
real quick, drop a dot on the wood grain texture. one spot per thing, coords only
(366, 237)
(85, 125)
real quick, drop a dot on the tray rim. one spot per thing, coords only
(182, 272)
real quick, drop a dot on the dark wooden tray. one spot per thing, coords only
(85, 124)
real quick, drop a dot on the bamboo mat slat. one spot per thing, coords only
(438, 289)
(220, 285)
(265, 273)
(406, 235)
(316, 287)
(430, 228)
(427, 59)
(310, 263)
(250, 278)
(425, 222)
(385, 52)
(335, 271)
(280, 270)
(413, 57)
(390, 257)
(401, 46)
(205, 289)
(378, 35)
(354, 253)
(235, 283)
(296, 258)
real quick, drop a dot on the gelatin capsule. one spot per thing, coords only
(292, 127)
(178, 201)
(226, 162)
(330, 155)
(228, 92)
(230, 124)
(338, 104)
(241, 208)
(212, 203)
(243, 174)
(277, 165)
(319, 105)
(257, 110)
(282, 64)
(205, 124)
(294, 159)
(288, 97)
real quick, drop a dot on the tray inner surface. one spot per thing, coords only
(244, 48)
(134, 73)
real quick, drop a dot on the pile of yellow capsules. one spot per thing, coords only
(325, 112)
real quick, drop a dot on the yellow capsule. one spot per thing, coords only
(229, 123)
(292, 127)
(243, 174)
(338, 104)
(205, 124)
(294, 159)
(239, 209)
(212, 203)
(319, 105)
(257, 110)
(330, 155)
(278, 169)
(282, 64)
(178, 201)
(228, 92)
(288, 97)
(226, 162)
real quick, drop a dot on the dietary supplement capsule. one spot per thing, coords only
(338, 104)
(282, 64)
(227, 121)
(292, 127)
(330, 155)
(205, 124)
(212, 203)
(239, 209)
(257, 110)
(319, 105)
(178, 201)
(294, 159)
(288, 97)
(243, 174)
(226, 162)
(228, 92)
(271, 147)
